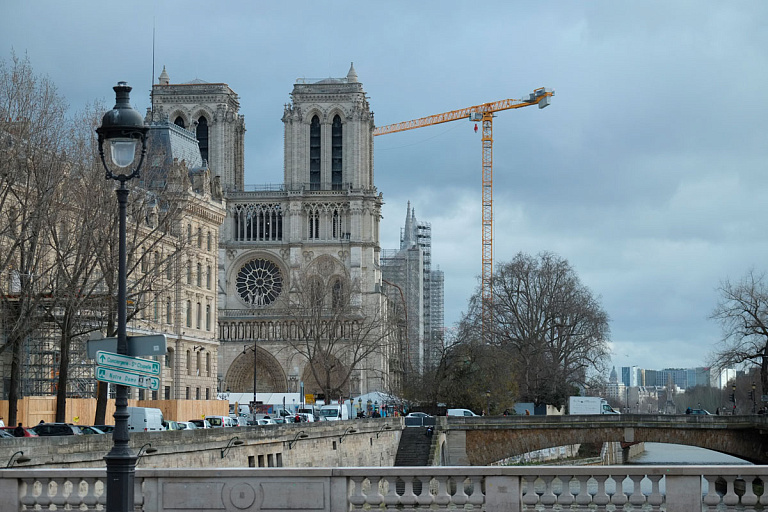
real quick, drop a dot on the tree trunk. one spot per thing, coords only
(61, 385)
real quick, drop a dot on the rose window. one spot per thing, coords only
(259, 282)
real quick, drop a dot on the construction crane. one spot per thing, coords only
(480, 113)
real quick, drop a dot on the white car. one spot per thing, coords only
(201, 423)
(186, 425)
(265, 421)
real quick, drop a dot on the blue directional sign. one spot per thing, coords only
(127, 363)
(136, 380)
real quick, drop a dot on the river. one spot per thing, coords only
(678, 454)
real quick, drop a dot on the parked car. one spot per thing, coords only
(264, 421)
(91, 430)
(417, 415)
(171, 425)
(201, 423)
(701, 411)
(186, 425)
(240, 421)
(57, 429)
(28, 432)
(105, 428)
(220, 421)
(5, 435)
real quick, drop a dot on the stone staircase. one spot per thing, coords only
(415, 448)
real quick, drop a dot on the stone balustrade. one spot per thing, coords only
(491, 488)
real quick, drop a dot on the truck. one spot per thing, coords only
(334, 412)
(589, 405)
(144, 419)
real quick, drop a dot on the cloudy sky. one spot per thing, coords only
(647, 172)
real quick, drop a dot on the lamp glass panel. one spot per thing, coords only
(122, 151)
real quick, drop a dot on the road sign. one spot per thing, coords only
(135, 380)
(152, 345)
(127, 363)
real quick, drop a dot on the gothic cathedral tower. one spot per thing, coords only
(320, 230)
(211, 111)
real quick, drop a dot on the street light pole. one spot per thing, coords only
(121, 128)
(754, 399)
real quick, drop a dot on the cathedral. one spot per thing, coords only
(317, 232)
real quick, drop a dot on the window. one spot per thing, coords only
(189, 272)
(207, 369)
(199, 315)
(209, 242)
(157, 268)
(208, 277)
(336, 153)
(156, 309)
(167, 392)
(202, 136)
(144, 262)
(199, 237)
(189, 363)
(199, 363)
(208, 317)
(168, 360)
(179, 121)
(187, 392)
(258, 222)
(169, 269)
(207, 393)
(199, 274)
(314, 225)
(314, 154)
(189, 313)
(197, 393)
(189, 233)
(337, 294)
(168, 315)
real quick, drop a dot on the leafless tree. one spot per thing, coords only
(32, 163)
(334, 332)
(743, 314)
(550, 324)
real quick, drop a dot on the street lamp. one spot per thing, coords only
(733, 395)
(122, 128)
(754, 399)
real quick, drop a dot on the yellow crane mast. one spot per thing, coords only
(484, 114)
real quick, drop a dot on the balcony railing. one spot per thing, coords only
(494, 488)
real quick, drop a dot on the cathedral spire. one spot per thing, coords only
(164, 79)
(352, 75)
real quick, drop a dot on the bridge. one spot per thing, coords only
(479, 441)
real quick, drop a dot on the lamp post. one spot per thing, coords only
(122, 128)
(754, 399)
(733, 388)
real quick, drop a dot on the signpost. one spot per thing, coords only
(152, 345)
(127, 370)
(136, 380)
(127, 363)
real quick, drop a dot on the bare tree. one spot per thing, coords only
(550, 324)
(334, 332)
(743, 315)
(32, 163)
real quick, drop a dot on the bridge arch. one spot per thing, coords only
(483, 441)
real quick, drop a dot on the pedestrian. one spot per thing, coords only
(688, 411)
(18, 431)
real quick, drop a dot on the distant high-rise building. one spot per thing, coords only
(629, 375)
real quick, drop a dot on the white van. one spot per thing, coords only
(220, 421)
(459, 412)
(145, 419)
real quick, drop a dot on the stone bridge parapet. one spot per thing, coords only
(480, 441)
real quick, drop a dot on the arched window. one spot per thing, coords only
(314, 225)
(179, 121)
(208, 317)
(336, 153)
(202, 136)
(207, 364)
(314, 154)
(338, 294)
